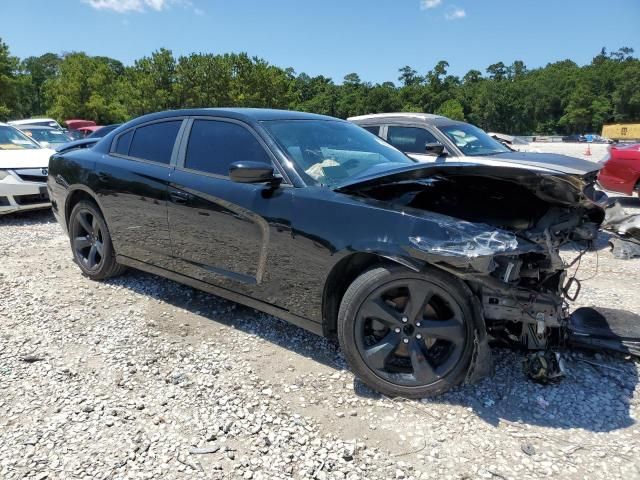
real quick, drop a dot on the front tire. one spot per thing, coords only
(405, 333)
(91, 242)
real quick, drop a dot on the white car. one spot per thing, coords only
(41, 122)
(23, 172)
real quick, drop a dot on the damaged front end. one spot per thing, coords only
(501, 230)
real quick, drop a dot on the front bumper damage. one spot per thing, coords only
(501, 230)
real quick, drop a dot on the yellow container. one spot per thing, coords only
(622, 131)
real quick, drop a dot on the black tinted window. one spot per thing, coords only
(213, 146)
(410, 139)
(155, 142)
(123, 143)
(373, 129)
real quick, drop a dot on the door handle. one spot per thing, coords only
(179, 198)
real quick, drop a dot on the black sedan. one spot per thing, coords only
(413, 267)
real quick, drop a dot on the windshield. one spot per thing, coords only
(13, 139)
(472, 141)
(49, 136)
(330, 152)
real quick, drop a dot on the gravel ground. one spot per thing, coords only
(594, 152)
(140, 377)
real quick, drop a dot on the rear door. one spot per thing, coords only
(223, 232)
(132, 187)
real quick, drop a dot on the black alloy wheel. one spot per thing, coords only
(91, 242)
(406, 333)
(88, 241)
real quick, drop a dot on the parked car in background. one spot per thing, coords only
(45, 136)
(413, 266)
(574, 138)
(87, 141)
(621, 171)
(103, 131)
(86, 131)
(511, 141)
(77, 127)
(595, 138)
(75, 123)
(434, 138)
(43, 122)
(23, 172)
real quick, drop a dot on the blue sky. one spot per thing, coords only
(332, 37)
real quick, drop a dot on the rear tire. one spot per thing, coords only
(405, 333)
(91, 242)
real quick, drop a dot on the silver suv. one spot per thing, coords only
(434, 138)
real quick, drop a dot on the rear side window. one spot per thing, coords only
(154, 142)
(214, 145)
(410, 139)
(373, 129)
(123, 143)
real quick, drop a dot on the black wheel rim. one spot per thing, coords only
(410, 332)
(88, 242)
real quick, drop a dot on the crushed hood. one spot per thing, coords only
(32, 158)
(549, 161)
(571, 187)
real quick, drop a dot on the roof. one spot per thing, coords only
(406, 115)
(35, 127)
(76, 123)
(245, 114)
(26, 121)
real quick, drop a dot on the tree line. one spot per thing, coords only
(561, 97)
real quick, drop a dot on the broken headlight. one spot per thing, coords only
(467, 240)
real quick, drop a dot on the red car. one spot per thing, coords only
(621, 172)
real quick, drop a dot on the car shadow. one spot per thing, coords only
(595, 395)
(29, 217)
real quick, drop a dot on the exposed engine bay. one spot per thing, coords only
(506, 245)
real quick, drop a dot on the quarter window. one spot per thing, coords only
(123, 143)
(410, 139)
(154, 142)
(214, 145)
(375, 129)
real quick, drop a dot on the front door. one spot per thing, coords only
(412, 141)
(225, 233)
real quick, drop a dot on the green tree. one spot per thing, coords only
(9, 84)
(86, 87)
(451, 108)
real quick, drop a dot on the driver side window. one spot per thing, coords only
(409, 139)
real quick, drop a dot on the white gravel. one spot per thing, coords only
(594, 152)
(140, 377)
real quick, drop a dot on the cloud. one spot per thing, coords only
(123, 6)
(427, 4)
(455, 14)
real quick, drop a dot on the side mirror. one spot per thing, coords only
(435, 149)
(253, 172)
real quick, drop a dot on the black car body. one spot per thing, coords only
(474, 247)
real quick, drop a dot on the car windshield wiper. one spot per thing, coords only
(487, 154)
